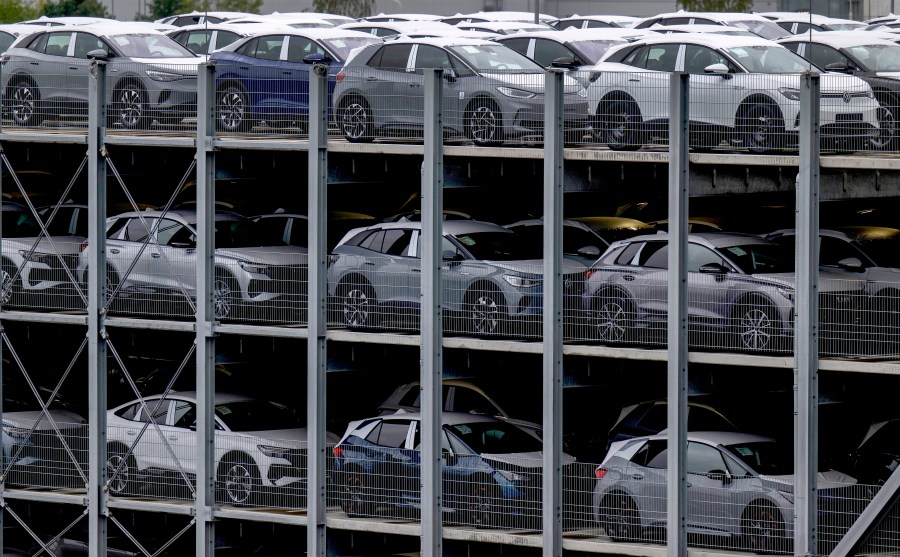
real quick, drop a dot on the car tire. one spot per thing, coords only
(357, 303)
(619, 125)
(7, 285)
(356, 499)
(123, 483)
(25, 103)
(233, 110)
(483, 509)
(756, 326)
(237, 481)
(620, 518)
(356, 120)
(130, 108)
(226, 296)
(612, 318)
(485, 311)
(887, 129)
(762, 128)
(484, 122)
(762, 528)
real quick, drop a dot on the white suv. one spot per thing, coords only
(743, 90)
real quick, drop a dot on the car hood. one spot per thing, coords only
(65, 245)
(533, 82)
(270, 255)
(26, 420)
(889, 75)
(524, 460)
(182, 65)
(825, 480)
(838, 83)
(536, 266)
(296, 435)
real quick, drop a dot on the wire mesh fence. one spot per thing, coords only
(45, 452)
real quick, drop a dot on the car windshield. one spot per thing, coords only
(844, 26)
(766, 458)
(768, 59)
(885, 252)
(765, 29)
(759, 258)
(495, 438)
(498, 246)
(877, 57)
(238, 234)
(594, 50)
(150, 46)
(495, 57)
(342, 46)
(19, 224)
(257, 415)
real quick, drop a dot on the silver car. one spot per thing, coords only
(738, 285)
(151, 77)
(151, 255)
(491, 279)
(491, 92)
(739, 485)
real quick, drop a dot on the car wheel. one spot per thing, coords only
(225, 296)
(484, 123)
(485, 311)
(356, 500)
(762, 529)
(612, 318)
(483, 508)
(130, 107)
(232, 110)
(887, 130)
(237, 481)
(355, 117)
(121, 482)
(24, 102)
(7, 272)
(358, 304)
(620, 125)
(619, 517)
(762, 128)
(756, 324)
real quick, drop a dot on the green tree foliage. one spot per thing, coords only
(716, 5)
(84, 8)
(351, 8)
(12, 11)
(246, 6)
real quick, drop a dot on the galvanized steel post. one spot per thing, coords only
(676, 488)
(97, 488)
(806, 324)
(432, 356)
(552, 376)
(206, 344)
(317, 211)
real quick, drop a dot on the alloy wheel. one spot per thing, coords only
(756, 329)
(484, 124)
(23, 104)
(131, 107)
(223, 298)
(611, 320)
(356, 307)
(355, 120)
(238, 483)
(485, 314)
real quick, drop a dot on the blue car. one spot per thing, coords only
(266, 77)
(491, 469)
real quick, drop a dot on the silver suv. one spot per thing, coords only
(153, 255)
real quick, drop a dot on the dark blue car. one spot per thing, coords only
(491, 469)
(266, 77)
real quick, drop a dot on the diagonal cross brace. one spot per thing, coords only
(44, 546)
(141, 548)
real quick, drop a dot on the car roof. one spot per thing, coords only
(107, 29)
(576, 35)
(407, 16)
(500, 25)
(441, 42)
(822, 232)
(838, 39)
(449, 418)
(711, 40)
(402, 26)
(700, 28)
(184, 215)
(718, 437)
(221, 397)
(245, 29)
(452, 227)
(815, 18)
(711, 239)
(524, 17)
(715, 16)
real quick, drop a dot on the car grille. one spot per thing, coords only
(286, 279)
(56, 272)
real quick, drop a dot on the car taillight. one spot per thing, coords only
(340, 76)
(337, 452)
(588, 273)
(600, 473)
(84, 246)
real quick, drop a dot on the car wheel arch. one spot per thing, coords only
(756, 99)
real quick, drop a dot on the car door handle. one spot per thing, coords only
(131, 432)
(245, 67)
(636, 80)
(371, 78)
(415, 84)
(154, 255)
(687, 484)
(629, 278)
(416, 270)
(113, 251)
(369, 263)
(35, 63)
(285, 73)
(73, 67)
(637, 476)
(173, 438)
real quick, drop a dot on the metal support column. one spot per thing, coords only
(205, 341)
(676, 488)
(552, 376)
(432, 356)
(806, 331)
(317, 211)
(97, 488)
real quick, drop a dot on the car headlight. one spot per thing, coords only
(582, 92)
(787, 293)
(521, 282)
(511, 476)
(788, 92)
(20, 433)
(516, 93)
(254, 268)
(274, 452)
(37, 257)
(158, 75)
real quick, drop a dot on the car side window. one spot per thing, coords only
(58, 44)
(428, 57)
(396, 242)
(300, 47)
(85, 42)
(268, 48)
(657, 454)
(793, 47)
(698, 58)
(703, 21)
(662, 57)
(392, 433)
(167, 229)
(225, 38)
(394, 57)
(374, 241)
(637, 57)
(703, 459)
(627, 255)
(184, 414)
(822, 55)
(39, 44)
(468, 400)
(249, 47)
(129, 412)
(833, 250)
(654, 255)
(299, 233)
(804, 28)
(520, 45)
(446, 246)
(786, 25)
(546, 51)
(137, 230)
(699, 256)
(594, 24)
(159, 416)
(196, 41)
(575, 238)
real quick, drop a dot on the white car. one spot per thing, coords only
(259, 445)
(595, 21)
(743, 90)
(758, 24)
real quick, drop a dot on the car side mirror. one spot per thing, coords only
(716, 269)
(719, 476)
(851, 264)
(718, 69)
(450, 75)
(182, 245)
(589, 251)
(565, 62)
(841, 67)
(317, 58)
(98, 54)
(448, 457)
(450, 255)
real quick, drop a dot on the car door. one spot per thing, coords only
(79, 64)
(454, 274)
(150, 448)
(51, 72)
(394, 461)
(385, 85)
(124, 251)
(197, 40)
(265, 78)
(399, 272)
(174, 260)
(546, 51)
(648, 84)
(297, 87)
(181, 433)
(224, 38)
(708, 487)
(708, 294)
(431, 57)
(649, 280)
(645, 477)
(714, 97)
